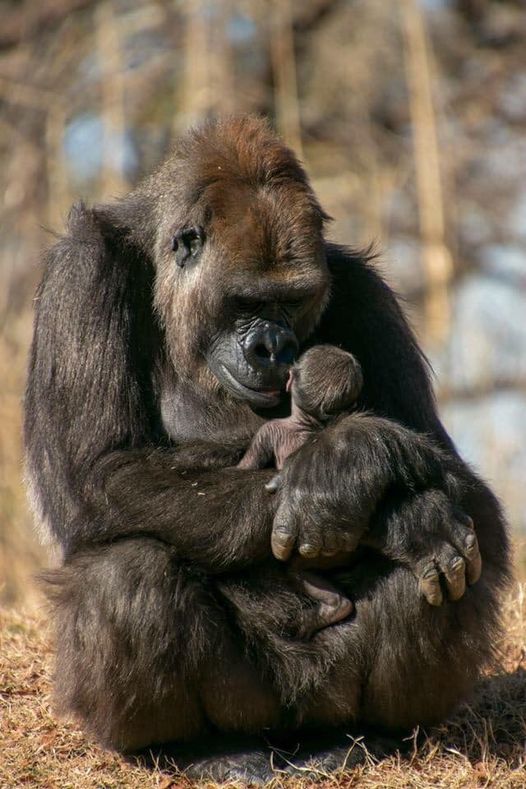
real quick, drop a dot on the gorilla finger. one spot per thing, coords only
(282, 541)
(331, 543)
(455, 574)
(310, 540)
(275, 484)
(310, 546)
(466, 543)
(463, 518)
(473, 558)
(429, 585)
(349, 542)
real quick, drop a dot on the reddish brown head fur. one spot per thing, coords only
(263, 227)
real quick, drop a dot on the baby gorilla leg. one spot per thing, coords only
(332, 605)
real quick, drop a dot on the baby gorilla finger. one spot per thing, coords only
(453, 567)
(282, 540)
(429, 584)
(309, 541)
(465, 519)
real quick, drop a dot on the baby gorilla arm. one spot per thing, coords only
(261, 450)
(274, 442)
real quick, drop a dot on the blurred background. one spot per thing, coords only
(409, 115)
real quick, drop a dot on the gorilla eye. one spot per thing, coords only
(187, 244)
(247, 306)
(292, 306)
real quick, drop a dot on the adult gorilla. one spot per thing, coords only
(165, 326)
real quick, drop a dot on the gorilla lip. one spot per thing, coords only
(262, 397)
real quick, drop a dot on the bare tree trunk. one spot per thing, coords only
(437, 258)
(223, 88)
(284, 73)
(113, 176)
(193, 94)
(58, 192)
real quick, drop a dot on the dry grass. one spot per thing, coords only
(20, 554)
(484, 745)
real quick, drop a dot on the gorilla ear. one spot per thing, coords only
(132, 218)
(187, 245)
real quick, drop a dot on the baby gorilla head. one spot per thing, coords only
(325, 381)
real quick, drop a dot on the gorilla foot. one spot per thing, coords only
(220, 759)
(253, 760)
(316, 755)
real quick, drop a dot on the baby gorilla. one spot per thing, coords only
(324, 382)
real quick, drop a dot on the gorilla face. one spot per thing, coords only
(268, 311)
(241, 272)
(252, 358)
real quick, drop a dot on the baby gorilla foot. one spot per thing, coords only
(332, 606)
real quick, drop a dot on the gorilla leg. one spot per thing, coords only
(144, 654)
(405, 662)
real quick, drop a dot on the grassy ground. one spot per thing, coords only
(483, 745)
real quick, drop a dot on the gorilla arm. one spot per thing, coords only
(333, 494)
(93, 425)
(220, 519)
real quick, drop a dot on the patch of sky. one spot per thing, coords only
(83, 145)
(516, 222)
(506, 262)
(488, 337)
(490, 433)
(435, 5)
(241, 29)
(403, 264)
(143, 47)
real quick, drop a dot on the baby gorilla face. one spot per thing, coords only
(325, 381)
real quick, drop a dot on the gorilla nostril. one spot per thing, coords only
(287, 354)
(271, 345)
(262, 351)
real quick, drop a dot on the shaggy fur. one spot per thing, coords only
(172, 616)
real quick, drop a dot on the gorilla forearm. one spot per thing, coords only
(333, 494)
(344, 476)
(216, 518)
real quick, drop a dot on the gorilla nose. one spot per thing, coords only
(271, 345)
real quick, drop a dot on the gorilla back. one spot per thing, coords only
(166, 323)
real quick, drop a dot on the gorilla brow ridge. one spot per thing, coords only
(253, 155)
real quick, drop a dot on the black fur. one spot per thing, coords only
(172, 617)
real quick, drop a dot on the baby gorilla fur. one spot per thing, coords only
(323, 383)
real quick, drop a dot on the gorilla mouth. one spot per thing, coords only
(264, 397)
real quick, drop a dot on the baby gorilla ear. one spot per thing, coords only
(187, 245)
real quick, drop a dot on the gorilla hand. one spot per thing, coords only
(440, 545)
(331, 489)
(320, 512)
